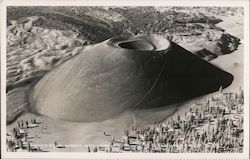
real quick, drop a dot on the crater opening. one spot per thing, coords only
(151, 42)
(137, 45)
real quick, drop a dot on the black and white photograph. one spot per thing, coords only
(111, 79)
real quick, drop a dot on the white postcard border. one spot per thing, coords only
(222, 3)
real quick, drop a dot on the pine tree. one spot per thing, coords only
(178, 118)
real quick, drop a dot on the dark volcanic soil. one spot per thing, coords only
(106, 80)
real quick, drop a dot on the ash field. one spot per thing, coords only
(79, 77)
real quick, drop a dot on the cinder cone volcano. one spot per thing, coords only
(122, 73)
